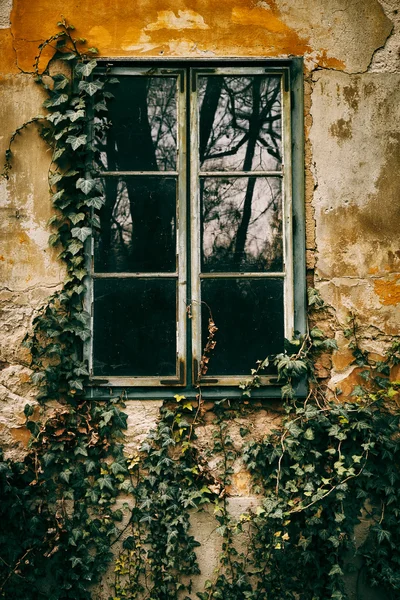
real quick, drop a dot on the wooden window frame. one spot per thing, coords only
(185, 381)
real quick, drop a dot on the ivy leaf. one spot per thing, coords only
(74, 246)
(77, 141)
(309, 434)
(293, 429)
(317, 333)
(28, 410)
(100, 106)
(80, 451)
(106, 482)
(85, 69)
(54, 239)
(97, 202)
(81, 371)
(81, 233)
(73, 115)
(57, 153)
(90, 466)
(38, 377)
(65, 475)
(116, 468)
(56, 100)
(90, 87)
(382, 535)
(57, 195)
(80, 274)
(56, 118)
(55, 178)
(75, 561)
(60, 81)
(86, 185)
(336, 570)
(75, 384)
(95, 221)
(76, 217)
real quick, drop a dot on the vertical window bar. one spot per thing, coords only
(287, 207)
(182, 230)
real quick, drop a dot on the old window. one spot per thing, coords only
(196, 171)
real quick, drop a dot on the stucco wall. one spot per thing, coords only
(352, 158)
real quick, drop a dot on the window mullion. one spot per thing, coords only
(287, 212)
(195, 229)
(181, 251)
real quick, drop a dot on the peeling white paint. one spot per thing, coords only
(5, 13)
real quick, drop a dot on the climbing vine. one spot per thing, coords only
(329, 464)
(62, 496)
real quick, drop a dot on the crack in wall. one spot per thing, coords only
(30, 288)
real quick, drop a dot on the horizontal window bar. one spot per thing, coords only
(134, 275)
(197, 63)
(241, 173)
(242, 275)
(134, 381)
(134, 173)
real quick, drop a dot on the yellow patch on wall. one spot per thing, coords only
(99, 36)
(261, 17)
(388, 290)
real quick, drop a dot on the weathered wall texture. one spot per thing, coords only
(352, 124)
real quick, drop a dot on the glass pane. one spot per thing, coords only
(240, 123)
(137, 226)
(134, 330)
(142, 134)
(241, 224)
(249, 317)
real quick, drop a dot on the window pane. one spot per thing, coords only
(134, 330)
(240, 123)
(142, 134)
(241, 224)
(137, 226)
(249, 317)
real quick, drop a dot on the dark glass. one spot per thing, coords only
(134, 329)
(137, 226)
(249, 317)
(142, 133)
(241, 224)
(240, 123)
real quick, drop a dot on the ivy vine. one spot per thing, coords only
(58, 521)
(330, 463)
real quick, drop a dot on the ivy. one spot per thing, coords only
(60, 500)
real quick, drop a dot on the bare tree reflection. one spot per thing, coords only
(138, 220)
(240, 123)
(222, 207)
(240, 130)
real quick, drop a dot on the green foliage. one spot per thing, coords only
(168, 479)
(319, 473)
(57, 516)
